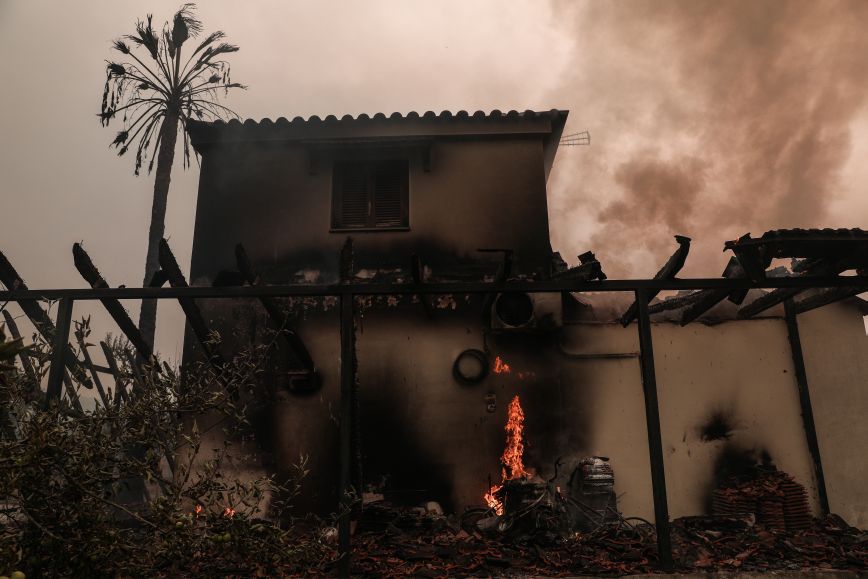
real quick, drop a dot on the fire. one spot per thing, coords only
(512, 460)
(501, 367)
(229, 512)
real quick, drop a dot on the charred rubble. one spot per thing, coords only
(760, 521)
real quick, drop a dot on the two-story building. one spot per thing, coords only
(463, 197)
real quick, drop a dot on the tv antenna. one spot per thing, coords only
(576, 139)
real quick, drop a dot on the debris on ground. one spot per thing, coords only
(392, 541)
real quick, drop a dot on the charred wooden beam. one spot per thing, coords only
(655, 441)
(846, 245)
(169, 265)
(347, 267)
(274, 311)
(827, 297)
(10, 278)
(120, 389)
(780, 295)
(159, 279)
(348, 378)
(417, 270)
(767, 301)
(734, 270)
(139, 383)
(43, 324)
(669, 270)
(805, 403)
(94, 374)
(59, 345)
(711, 298)
(504, 270)
(502, 274)
(748, 256)
(676, 302)
(588, 269)
(91, 275)
(706, 300)
(26, 364)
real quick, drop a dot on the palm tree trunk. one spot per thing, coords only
(165, 158)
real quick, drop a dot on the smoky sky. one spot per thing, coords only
(708, 119)
(712, 119)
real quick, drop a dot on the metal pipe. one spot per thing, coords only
(655, 442)
(345, 435)
(577, 286)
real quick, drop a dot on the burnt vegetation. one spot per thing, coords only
(129, 485)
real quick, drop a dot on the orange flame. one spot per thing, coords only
(501, 367)
(229, 512)
(512, 460)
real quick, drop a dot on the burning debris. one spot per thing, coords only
(512, 459)
(501, 367)
(524, 503)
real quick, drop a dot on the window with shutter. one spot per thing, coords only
(370, 195)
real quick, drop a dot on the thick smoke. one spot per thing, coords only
(708, 119)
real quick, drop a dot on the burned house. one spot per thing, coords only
(462, 197)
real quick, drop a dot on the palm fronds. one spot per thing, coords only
(185, 25)
(148, 93)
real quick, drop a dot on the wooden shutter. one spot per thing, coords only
(354, 203)
(370, 195)
(390, 186)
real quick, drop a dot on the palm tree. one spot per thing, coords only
(156, 94)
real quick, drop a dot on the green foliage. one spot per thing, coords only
(137, 489)
(158, 86)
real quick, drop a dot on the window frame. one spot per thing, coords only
(370, 166)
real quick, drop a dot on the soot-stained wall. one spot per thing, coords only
(428, 436)
(725, 389)
(478, 194)
(722, 389)
(836, 362)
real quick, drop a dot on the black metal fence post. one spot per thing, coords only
(58, 354)
(655, 442)
(805, 403)
(348, 337)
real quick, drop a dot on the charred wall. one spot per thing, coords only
(272, 198)
(444, 429)
(726, 392)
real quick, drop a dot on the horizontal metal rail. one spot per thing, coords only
(617, 285)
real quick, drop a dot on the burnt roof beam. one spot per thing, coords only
(43, 324)
(828, 297)
(773, 298)
(91, 275)
(274, 311)
(733, 270)
(669, 270)
(169, 265)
